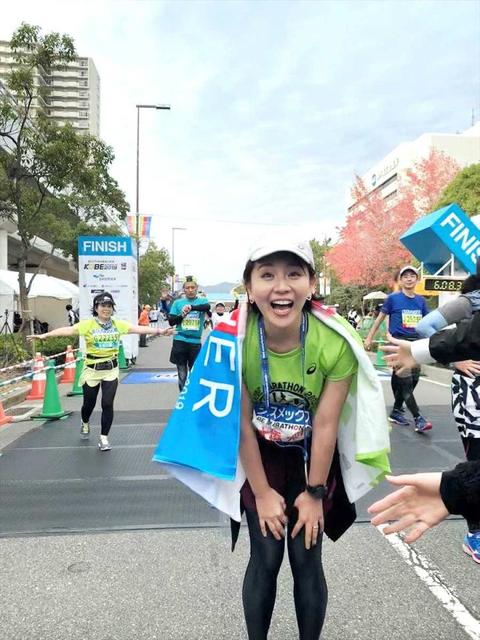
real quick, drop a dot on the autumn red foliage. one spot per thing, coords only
(368, 251)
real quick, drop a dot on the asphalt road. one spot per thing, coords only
(106, 545)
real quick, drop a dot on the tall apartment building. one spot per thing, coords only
(70, 93)
(387, 175)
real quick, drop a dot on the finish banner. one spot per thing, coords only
(109, 263)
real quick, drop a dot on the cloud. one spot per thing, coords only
(275, 105)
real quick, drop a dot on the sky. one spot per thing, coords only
(275, 106)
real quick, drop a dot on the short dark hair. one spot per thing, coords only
(101, 298)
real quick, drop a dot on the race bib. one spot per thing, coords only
(281, 422)
(191, 322)
(411, 318)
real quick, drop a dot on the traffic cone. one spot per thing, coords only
(69, 370)
(77, 389)
(122, 362)
(52, 409)
(4, 419)
(37, 392)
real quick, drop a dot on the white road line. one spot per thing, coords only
(435, 582)
(440, 384)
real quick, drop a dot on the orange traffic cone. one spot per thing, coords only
(39, 379)
(69, 370)
(4, 419)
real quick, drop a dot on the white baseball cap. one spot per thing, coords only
(408, 268)
(302, 249)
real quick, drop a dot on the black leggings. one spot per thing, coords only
(403, 388)
(472, 453)
(109, 389)
(260, 582)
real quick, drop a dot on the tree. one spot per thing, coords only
(348, 297)
(369, 250)
(464, 189)
(51, 179)
(154, 271)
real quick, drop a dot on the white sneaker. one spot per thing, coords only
(85, 430)
(104, 445)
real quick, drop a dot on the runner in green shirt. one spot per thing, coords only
(296, 376)
(102, 335)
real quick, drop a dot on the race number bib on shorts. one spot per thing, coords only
(281, 422)
(191, 322)
(411, 318)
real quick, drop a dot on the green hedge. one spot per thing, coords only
(12, 350)
(50, 346)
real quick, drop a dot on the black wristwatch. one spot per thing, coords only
(318, 491)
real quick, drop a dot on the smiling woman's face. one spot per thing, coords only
(279, 286)
(104, 311)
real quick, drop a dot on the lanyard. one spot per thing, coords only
(266, 378)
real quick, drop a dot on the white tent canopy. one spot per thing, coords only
(43, 285)
(47, 297)
(375, 295)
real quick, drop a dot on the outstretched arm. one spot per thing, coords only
(418, 505)
(147, 330)
(61, 331)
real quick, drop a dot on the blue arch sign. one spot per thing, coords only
(434, 238)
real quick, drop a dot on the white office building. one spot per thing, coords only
(386, 175)
(67, 94)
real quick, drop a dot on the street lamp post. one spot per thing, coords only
(173, 254)
(137, 198)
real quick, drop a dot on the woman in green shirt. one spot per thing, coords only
(102, 334)
(296, 375)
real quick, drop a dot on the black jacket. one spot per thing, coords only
(460, 490)
(460, 343)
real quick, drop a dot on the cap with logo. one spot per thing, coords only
(103, 298)
(408, 268)
(302, 249)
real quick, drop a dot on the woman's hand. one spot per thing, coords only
(38, 336)
(399, 355)
(470, 368)
(418, 504)
(367, 343)
(166, 332)
(271, 513)
(310, 516)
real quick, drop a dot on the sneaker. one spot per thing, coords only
(471, 545)
(422, 425)
(84, 430)
(398, 418)
(104, 445)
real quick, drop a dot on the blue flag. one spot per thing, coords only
(203, 432)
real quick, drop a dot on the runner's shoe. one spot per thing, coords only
(104, 445)
(398, 418)
(422, 425)
(471, 545)
(84, 430)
